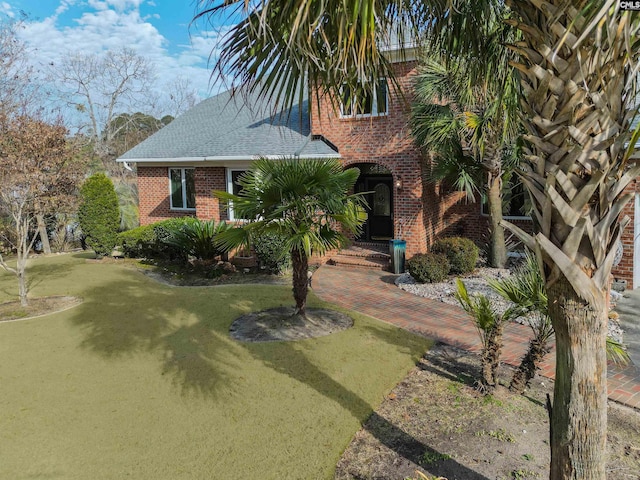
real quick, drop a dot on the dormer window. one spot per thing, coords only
(358, 103)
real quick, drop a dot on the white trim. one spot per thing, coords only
(223, 158)
(374, 104)
(183, 182)
(396, 55)
(230, 190)
(636, 242)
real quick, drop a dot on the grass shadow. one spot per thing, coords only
(292, 361)
(398, 337)
(118, 319)
(447, 365)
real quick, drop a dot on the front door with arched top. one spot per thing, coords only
(379, 188)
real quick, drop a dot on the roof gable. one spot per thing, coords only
(232, 126)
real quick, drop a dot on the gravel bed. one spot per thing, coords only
(476, 284)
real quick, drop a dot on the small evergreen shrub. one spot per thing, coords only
(461, 252)
(197, 238)
(428, 267)
(99, 214)
(163, 232)
(138, 242)
(272, 252)
(153, 241)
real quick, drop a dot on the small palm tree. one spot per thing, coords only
(305, 202)
(525, 288)
(490, 325)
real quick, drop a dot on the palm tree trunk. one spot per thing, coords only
(491, 356)
(497, 248)
(528, 366)
(300, 265)
(578, 445)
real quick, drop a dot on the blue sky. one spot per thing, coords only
(157, 29)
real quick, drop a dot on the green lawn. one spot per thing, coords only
(142, 381)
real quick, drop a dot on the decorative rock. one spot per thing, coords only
(476, 284)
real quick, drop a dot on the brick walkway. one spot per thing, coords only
(373, 293)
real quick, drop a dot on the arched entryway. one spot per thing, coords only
(377, 181)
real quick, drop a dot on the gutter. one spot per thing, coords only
(224, 158)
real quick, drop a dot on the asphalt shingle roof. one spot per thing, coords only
(233, 127)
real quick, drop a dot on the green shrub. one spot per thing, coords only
(461, 252)
(428, 267)
(99, 214)
(138, 242)
(153, 241)
(197, 238)
(272, 252)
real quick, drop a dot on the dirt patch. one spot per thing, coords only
(12, 311)
(435, 422)
(282, 324)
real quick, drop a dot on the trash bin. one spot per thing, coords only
(397, 250)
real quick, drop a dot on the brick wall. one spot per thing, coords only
(386, 140)
(153, 192)
(383, 140)
(624, 270)
(207, 180)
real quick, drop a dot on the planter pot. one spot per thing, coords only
(397, 249)
(244, 262)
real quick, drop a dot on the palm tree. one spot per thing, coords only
(490, 326)
(305, 202)
(525, 288)
(471, 127)
(579, 64)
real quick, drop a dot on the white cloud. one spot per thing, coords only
(64, 6)
(113, 24)
(5, 9)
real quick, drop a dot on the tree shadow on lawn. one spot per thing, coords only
(39, 270)
(45, 273)
(294, 363)
(130, 316)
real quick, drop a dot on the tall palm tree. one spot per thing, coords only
(470, 124)
(304, 202)
(579, 64)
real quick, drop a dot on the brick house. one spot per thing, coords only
(209, 146)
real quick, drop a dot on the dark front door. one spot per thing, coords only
(379, 224)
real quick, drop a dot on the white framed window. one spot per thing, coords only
(357, 103)
(233, 174)
(515, 201)
(182, 188)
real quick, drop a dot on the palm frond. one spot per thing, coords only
(617, 353)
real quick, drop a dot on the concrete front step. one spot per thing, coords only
(356, 261)
(362, 255)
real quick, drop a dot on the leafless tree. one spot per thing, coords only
(39, 170)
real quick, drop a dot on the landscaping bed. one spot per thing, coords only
(437, 423)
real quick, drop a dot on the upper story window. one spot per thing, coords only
(182, 187)
(357, 103)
